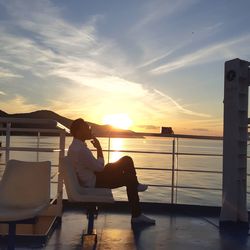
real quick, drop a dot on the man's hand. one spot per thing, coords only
(96, 143)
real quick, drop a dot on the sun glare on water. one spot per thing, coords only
(122, 121)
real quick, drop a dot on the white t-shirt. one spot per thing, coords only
(84, 163)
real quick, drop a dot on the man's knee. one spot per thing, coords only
(127, 159)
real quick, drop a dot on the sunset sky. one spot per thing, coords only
(151, 62)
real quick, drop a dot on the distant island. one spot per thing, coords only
(98, 130)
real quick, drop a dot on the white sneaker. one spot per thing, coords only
(142, 219)
(142, 187)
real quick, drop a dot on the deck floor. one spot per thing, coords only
(173, 231)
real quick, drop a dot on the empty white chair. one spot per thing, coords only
(24, 193)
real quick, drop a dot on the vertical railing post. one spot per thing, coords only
(177, 165)
(38, 145)
(173, 172)
(108, 149)
(7, 150)
(60, 178)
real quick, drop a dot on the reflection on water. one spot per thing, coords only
(116, 144)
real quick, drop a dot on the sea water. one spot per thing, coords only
(154, 155)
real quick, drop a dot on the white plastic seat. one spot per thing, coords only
(24, 193)
(24, 190)
(91, 196)
(77, 193)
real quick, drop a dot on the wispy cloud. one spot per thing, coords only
(156, 59)
(5, 73)
(2, 93)
(59, 49)
(179, 107)
(219, 51)
(214, 27)
(153, 11)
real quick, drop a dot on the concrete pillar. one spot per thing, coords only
(234, 208)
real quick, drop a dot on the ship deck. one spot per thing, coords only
(177, 228)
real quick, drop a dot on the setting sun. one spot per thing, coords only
(122, 121)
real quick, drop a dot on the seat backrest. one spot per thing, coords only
(25, 184)
(70, 179)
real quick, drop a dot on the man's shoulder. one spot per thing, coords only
(77, 145)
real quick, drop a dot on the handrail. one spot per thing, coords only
(174, 153)
(28, 121)
(48, 122)
(32, 130)
(183, 136)
(181, 170)
(185, 187)
(157, 152)
(30, 149)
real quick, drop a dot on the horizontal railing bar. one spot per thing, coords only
(180, 170)
(30, 149)
(184, 136)
(183, 170)
(199, 171)
(198, 154)
(28, 121)
(135, 151)
(51, 122)
(158, 169)
(52, 165)
(157, 152)
(32, 130)
(185, 187)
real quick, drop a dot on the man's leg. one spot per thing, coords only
(118, 174)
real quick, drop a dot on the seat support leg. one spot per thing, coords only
(90, 237)
(90, 222)
(92, 213)
(11, 236)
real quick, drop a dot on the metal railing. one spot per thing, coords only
(174, 161)
(174, 169)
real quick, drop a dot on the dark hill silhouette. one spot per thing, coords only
(98, 130)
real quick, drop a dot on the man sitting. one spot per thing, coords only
(92, 172)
